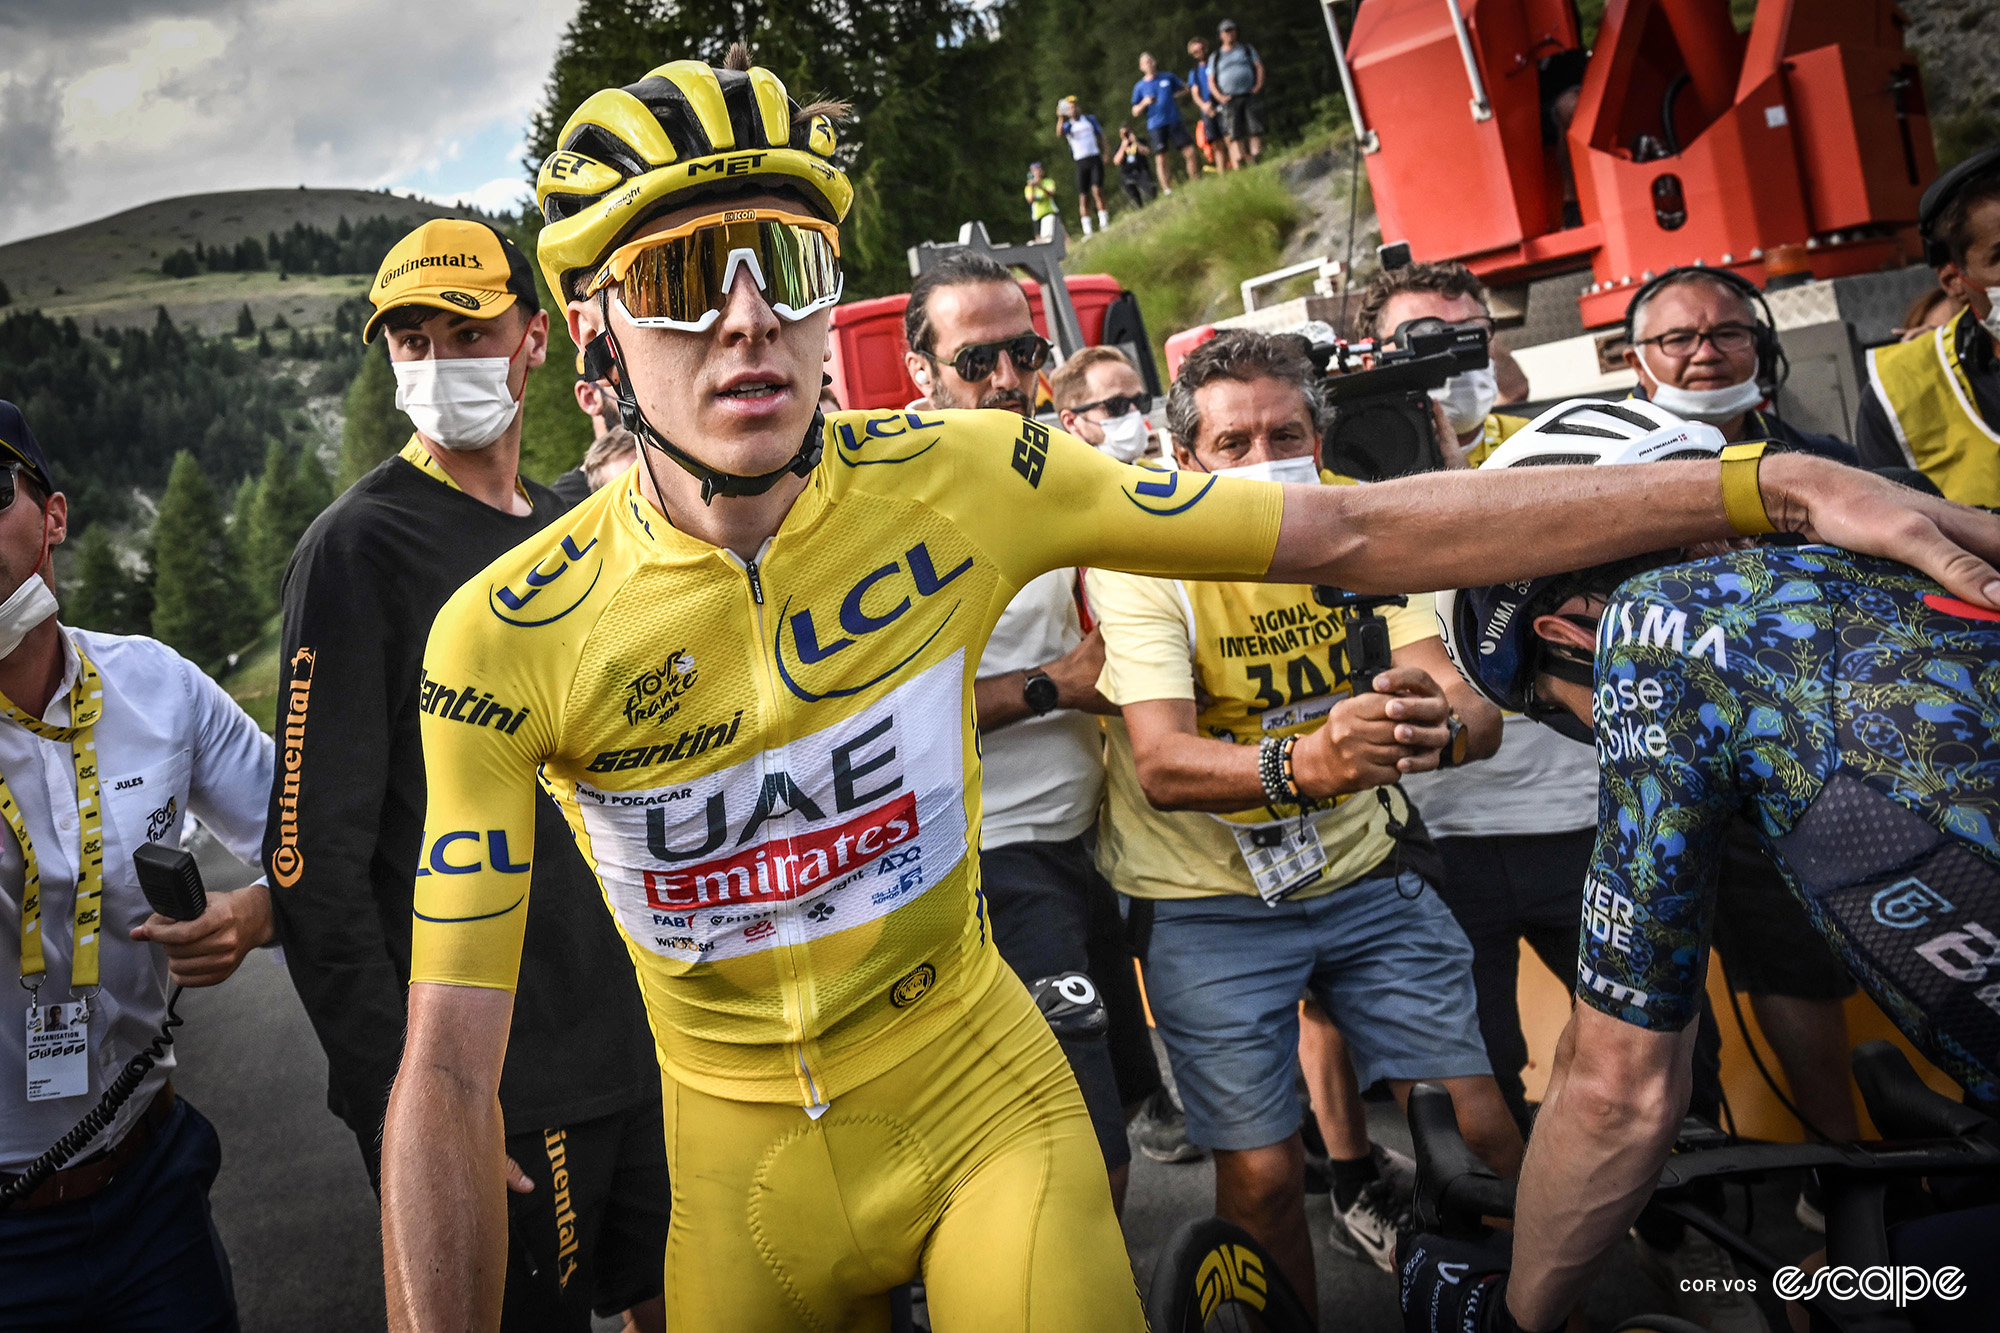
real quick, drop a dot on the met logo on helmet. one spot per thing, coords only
(739, 165)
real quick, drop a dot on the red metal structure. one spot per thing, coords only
(1689, 142)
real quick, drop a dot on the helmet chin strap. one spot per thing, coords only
(1566, 664)
(604, 360)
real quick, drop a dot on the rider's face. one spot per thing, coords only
(739, 395)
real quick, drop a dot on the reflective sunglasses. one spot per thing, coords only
(680, 279)
(1119, 405)
(10, 474)
(1028, 351)
(1724, 338)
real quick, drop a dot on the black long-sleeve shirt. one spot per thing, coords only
(347, 819)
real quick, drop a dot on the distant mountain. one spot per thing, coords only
(107, 272)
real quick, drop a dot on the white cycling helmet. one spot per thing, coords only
(1489, 638)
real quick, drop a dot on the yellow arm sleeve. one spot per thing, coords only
(485, 730)
(1037, 499)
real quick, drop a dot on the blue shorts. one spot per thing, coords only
(1384, 957)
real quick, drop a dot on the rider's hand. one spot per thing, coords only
(1825, 501)
(518, 1181)
(1372, 740)
(1454, 1286)
(208, 949)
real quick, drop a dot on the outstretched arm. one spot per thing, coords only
(444, 1212)
(1615, 1101)
(1458, 529)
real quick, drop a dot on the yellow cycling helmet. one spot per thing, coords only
(684, 132)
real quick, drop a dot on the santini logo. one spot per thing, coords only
(469, 705)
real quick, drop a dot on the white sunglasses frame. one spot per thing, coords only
(707, 321)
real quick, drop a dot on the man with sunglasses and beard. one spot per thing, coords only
(1041, 749)
(746, 672)
(586, 1177)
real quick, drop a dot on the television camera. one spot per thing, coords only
(1383, 423)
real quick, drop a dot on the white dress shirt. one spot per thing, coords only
(169, 743)
(1041, 777)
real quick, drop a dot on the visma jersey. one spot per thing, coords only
(772, 765)
(1854, 710)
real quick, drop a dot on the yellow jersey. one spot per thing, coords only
(772, 765)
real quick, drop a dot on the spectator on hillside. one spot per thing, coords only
(1153, 97)
(1041, 749)
(587, 1169)
(1040, 193)
(122, 1237)
(1236, 76)
(1085, 136)
(595, 399)
(1214, 143)
(1135, 171)
(1263, 890)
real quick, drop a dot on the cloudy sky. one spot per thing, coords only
(105, 104)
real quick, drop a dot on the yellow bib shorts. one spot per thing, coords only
(972, 1162)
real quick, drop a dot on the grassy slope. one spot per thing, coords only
(254, 682)
(109, 270)
(1184, 257)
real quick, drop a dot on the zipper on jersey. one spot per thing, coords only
(767, 686)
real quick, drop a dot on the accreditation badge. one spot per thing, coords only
(58, 1051)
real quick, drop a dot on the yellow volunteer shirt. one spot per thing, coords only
(1269, 660)
(772, 765)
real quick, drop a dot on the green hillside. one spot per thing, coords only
(107, 272)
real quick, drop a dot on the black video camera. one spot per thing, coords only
(1367, 633)
(1383, 425)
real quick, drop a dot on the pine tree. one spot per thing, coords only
(6, 297)
(374, 428)
(197, 598)
(246, 323)
(107, 595)
(264, 348)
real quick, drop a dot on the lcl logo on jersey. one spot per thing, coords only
(878, 600)
(1164, 496)
(564, 565)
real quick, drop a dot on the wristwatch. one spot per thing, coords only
(1455, 747)
(1039, 693)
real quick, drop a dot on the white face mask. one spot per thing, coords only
(1992, 321)
(1467, 397)
(1300, 471)
(28, 606)
(461, 404)
(1125, 437)
(1713, 406)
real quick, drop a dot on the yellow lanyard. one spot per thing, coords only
(86, 706)
(420, 458)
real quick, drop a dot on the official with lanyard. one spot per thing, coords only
(106, 743)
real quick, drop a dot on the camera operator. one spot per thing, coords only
(1695, 339)
(1237, 703)
(1451, 294)
(108, 743)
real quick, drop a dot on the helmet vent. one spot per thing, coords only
(1558, 460)
(600, 143)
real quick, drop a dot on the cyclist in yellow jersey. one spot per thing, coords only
(747, 676)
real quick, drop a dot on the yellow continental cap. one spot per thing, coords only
(451, 264)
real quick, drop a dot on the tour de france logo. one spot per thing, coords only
(656, 695)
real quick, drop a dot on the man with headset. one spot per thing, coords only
(1695, 338)
(1934, 403)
